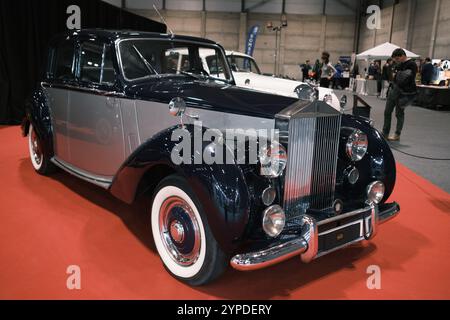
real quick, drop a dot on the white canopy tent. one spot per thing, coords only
(382, 52)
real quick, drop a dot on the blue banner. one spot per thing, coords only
(251, 40)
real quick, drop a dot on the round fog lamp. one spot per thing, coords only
(352, 175)
(375, 192)
(274, 220)
(268, 196)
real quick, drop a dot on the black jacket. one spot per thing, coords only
(427, 73)
(405, 77)
(387, 72)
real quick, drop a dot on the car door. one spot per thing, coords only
(60, 75)
(94, 119)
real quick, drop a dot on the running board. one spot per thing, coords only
(103, 182)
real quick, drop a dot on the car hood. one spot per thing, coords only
(278, 86)
(267, 83)
(213, 96)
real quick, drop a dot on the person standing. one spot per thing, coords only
(316, 70)
(427, 72)
(402, 94)
(306, 69)
(328, 70)
(378, 76)
(386, 78)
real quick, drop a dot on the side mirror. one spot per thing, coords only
(234, 67)
(177, 107)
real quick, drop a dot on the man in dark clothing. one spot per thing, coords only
(427, 72)
(402, 94)
(386, 75)
(386, 78)
(306, 68)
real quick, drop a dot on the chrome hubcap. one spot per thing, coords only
(179, 231)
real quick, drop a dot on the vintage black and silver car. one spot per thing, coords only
(106, 111)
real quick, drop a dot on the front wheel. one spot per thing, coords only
(39, 159)
(182, 236)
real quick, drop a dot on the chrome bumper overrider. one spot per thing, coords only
(307, 243)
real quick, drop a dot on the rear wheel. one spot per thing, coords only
(182, 236)
(40, 161)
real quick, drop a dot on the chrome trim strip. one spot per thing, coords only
(361, 221)
(104, 182)
(343, 216)
(84, 89)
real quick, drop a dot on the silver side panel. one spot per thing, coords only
(58, 100)
(95, 132)
(312, 160)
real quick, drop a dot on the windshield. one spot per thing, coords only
(143, 58)
(243, 64)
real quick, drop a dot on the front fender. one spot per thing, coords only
(378, 164)
(37, 113)
(221, 188)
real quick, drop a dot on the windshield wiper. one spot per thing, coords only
(192, 75)
(146, 63)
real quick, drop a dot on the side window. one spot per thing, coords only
(62, 67)
(96, 63)
(215, 66)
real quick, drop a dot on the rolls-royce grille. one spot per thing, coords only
(312, 160)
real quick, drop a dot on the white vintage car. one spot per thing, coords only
(248, 75)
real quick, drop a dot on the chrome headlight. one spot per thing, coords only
(273, 159)
(357, 144)
(306, 92)
(274, 220)
(375, 192)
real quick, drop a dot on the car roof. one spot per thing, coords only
(111, 35)
(239, 54)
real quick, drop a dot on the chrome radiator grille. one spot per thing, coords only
(312, 160)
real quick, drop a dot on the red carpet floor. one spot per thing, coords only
(47, 224)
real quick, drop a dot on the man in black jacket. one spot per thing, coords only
(427, 72)
(402, 94)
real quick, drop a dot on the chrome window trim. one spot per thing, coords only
(207, 45)
(84, 89)
(104, 46)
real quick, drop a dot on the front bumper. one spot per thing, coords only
(317, 239)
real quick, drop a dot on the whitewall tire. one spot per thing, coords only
(182, 236)
(39, 159)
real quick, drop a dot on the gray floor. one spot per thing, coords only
(426, 133)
